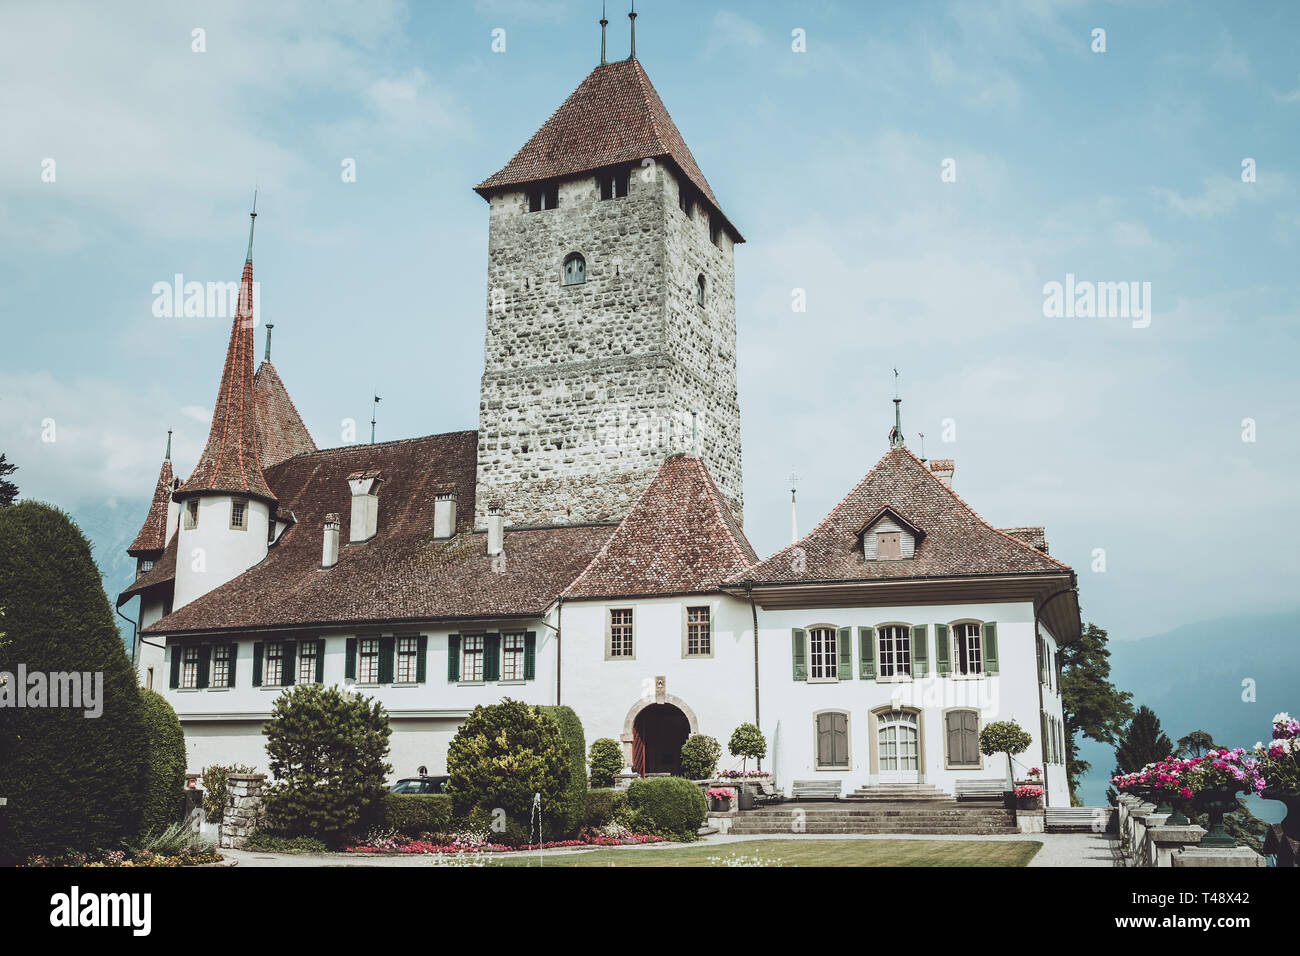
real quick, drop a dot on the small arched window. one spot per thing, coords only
(575, 269)
(699, 289)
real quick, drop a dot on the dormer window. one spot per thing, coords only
(575, 269)
(888, 545)
(543, 197)
(613, 184)
(888, 536)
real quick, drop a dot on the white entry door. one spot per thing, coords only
(897, 745)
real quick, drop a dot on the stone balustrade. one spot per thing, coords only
(1146, 839)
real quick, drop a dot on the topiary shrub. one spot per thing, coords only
(412, 814)
(748, 743)
(326, 749)
(213, 781)
(700, 756)
(500, 757)
(1004, 737)
(670, 807)
(602, 807)
(72, 782)
(164, 798)
(605, 761)
(568, 814)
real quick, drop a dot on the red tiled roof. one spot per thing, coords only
(680, 536)
(162, 573)
(1035, 537)
(957, 541)
(613, 117)
(280, 431)
(152, 538)
(229, 462)
(402, 573)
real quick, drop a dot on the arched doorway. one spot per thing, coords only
(657, 737)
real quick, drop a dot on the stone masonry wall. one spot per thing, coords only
(243, 808)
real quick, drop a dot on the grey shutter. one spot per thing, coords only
(1038, 647)
(840, 740)
(230, 671)
(453, 658)
(920, 651)
(205, 662)
(257, 663)
(320, 661)
(421, 651)
(386, 659)
(991, 647)
(491, 657)
(799, 652)
(970, 735)
(942, 648)
(824, 742)
(844, 646)
(288, 664)
(953, 736)
(175, 679)
(867, 653)
(350, 667)
(530, 655)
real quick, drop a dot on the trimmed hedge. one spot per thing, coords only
(602, 805)
(671, 807)
(164, 798)
(605, 760)
(414, 813)
(569, 814)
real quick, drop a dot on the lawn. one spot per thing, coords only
(804, 852)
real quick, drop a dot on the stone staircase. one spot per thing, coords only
(886, 808)
(899, 793)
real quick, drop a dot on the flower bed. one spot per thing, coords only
(120, 858)
(744, 775)
(458, 844)
(1221, 769)
(1029, 791)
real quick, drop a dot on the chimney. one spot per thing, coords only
(942, 469)
(444, 512)
(365, 505)
(496, 524)
(329, 555)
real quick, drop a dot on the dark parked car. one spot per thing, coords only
(420, 785)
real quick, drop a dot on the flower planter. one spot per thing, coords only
(1216, 801)
(747, 799)
(1290, 826)
(720, 805)
(1282, 840)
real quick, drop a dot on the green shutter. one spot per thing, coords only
(942, 646)
(320, 661)
(1059, 689)
(230, 671)
(491, 657)
(920, 650)
(205, 662)
(350, 667)
(991, 648)
(386, 659)
(867, 653)
(175, 680)
(257, 664)
(844, 645)
(530, 655)
(799, 652)
(421, 654)
(453, 658)
(288, 663)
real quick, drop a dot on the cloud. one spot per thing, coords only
(1220, 195)
(731, 29)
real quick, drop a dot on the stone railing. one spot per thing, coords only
(1146, 839)
(243, 807)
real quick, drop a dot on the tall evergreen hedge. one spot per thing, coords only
(164, 797)
(573, 806)
(73, 782)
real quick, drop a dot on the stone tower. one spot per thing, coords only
(611, 320)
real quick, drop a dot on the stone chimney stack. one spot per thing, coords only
(330, 549)
(943, 469)
(496, 529)
(444, 513)
(365, 505)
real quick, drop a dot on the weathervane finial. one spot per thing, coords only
(632, 16)
(896, 433)
(252, 221)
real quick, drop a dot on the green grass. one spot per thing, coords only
(806, 852)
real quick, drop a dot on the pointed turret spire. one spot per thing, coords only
(150, 542)
(632, 16)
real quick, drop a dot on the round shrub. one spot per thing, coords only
(748, 743)
(164, 797)
(414, 813)
(566, 817)
(602, 806)
(700, 756)
(605, 760)
(671, 807)
(72, 782)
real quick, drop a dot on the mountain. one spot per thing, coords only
(110, 527)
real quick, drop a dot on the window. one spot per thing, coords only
(190, 666)
(221, 665)
(823, 659)
(961, 729)
(620, 632)
(307, 651)
(832, 730)
(273, 667)
(368, 660)
(407, 656)
(191, 514)
(237, 514)
(575, 269)
(683, 201)
(968, 656)
(613, 184)
(512, 657)
(895, 646)
(699, 289)
(889, 545)
(471, 668)
(148, 678)
(546, 197)
(699, 636)
(715, 229)
(144, 565)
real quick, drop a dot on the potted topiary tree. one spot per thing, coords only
(1004, 737)
(747, 742)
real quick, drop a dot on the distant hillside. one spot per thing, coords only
(111, 528)
(1192, 678)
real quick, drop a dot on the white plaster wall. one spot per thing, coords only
(213, 553)
(148, 655)
(1058, 789)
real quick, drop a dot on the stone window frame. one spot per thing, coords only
(834, 656)
(954, 649)
(577, 257)
(686, 630)
(609, 632)
(878, 637)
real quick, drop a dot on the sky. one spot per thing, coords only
(920, 171)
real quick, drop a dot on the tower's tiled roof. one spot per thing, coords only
(229, 462)
(956, 540)
(680, 536)
(280, 431)
(613, 117)
(152, 538)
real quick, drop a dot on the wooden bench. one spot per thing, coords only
(1077, 819)
(981, 789)
(816, 790)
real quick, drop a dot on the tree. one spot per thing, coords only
(700, 756)
(1195, 744)
(747, 742)
(500, 758)
(565, 817)
(164, 797)
(8, 490)
(1004, 737)
(73, 775)
(1143, 743)
(327, 750)
(605, 761)
(1094, 707)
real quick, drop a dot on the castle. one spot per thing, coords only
(571, 550)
